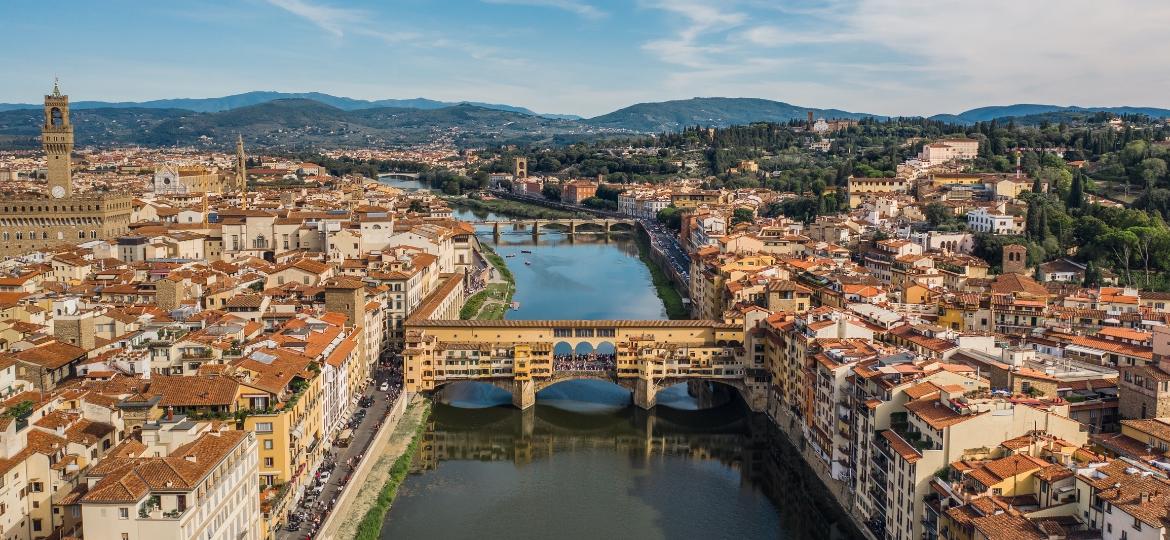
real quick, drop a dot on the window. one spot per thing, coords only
(268, 444)
(123, 513)
(268, 462)
(36, 487)
(36, 524)
(264, 427)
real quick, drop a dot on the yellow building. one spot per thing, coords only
(858, 188)
(282, 390)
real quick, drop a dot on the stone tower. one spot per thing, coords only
(1015, 259)
(520, 170)
(241, 165)
(346, 295)
(57, 141)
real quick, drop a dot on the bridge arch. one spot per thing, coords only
(591, 227)
(621, 226)
(396, 175)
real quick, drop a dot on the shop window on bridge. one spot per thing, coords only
(584, 332)
(562, 332)
(606, 332)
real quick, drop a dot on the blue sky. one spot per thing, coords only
(589, 57)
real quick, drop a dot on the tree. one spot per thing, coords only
(670, 217)
(1076, 192)
(1121, 245)
(417, 207)
(1152, 169)
(551, 192)
(1092, 275)
(742, 215)
(938, 214)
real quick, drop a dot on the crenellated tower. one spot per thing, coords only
(57, 141)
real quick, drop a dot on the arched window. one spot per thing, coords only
(260, 242)
(56, 119)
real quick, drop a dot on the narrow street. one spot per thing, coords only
(314, 508)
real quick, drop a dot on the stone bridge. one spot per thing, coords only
(569, 225)
(522, 356)
(395, 175)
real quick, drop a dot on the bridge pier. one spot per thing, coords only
(528, 422)
(645, 393)
(573, 227)
(535, 229)
(496, 229)
(523, 394)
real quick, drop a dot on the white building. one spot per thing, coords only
(980, 220)
(940, 152)
(189, 482)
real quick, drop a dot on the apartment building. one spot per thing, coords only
(185, 480)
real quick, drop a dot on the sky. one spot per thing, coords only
(589, 57)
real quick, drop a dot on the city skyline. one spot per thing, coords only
(884, 57)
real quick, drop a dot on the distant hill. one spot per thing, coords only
(295, 124)
(226, 103)
(711, 112)
(984, 114)
(316, 120)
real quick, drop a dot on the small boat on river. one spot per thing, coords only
(525, 251)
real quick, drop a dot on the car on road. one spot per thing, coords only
(385, 386)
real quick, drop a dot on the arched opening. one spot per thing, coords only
(586, 395)
(56, 118)
(697, 394)
(590, 228)
(621, 228)
(473, 395)
(584, 357)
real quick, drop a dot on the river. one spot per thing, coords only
(584, 463)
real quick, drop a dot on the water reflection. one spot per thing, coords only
(550, 472)
(559, 276)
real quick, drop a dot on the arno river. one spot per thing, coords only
(584, 463)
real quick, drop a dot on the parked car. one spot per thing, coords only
(385, 386)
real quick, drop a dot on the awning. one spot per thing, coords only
(345, 434)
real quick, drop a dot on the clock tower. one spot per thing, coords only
(57, 141)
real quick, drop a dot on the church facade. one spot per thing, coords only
(33, 221)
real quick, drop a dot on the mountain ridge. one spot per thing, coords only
(305, 123)
(657, 116)
(256, 97)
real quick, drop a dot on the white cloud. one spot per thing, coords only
(911, 57)
(330, 19)
(583, 9)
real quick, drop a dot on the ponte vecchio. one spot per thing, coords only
(527, 356)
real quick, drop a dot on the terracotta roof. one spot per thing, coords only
(194, 391)
(936, 414)
(52, 355)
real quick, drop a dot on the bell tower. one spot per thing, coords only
(57, 141)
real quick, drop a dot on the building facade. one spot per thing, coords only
(31, 221)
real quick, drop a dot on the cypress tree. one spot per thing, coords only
(1076, 192)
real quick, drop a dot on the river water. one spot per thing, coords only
(584, 463)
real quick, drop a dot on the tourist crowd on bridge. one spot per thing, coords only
(585, 362)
